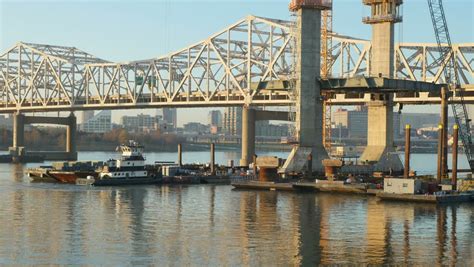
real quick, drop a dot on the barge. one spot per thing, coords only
(435, 198)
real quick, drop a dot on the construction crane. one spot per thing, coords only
(451, 75)
(326, 63)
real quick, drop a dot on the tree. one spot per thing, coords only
(123, 136)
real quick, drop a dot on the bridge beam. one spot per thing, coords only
(268, 115)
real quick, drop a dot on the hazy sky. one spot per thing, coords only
(131, 30)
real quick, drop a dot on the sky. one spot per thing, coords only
(119, 30)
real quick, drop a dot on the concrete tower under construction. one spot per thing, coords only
(309, 104)
(380, 148)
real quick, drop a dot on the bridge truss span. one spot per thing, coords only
(223, 70)
(248, 63)
(41, 75)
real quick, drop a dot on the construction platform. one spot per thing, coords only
(445, 198)
(358, 189)
(334, 187)
(256, 185)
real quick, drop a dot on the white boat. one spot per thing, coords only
(131, 164)
(129, 169)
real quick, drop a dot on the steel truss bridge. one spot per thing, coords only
(248, 63)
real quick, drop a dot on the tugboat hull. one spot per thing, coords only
(119, 182)
(70, 177)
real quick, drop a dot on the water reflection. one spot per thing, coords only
(214, 225)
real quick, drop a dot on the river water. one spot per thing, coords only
(202, 225)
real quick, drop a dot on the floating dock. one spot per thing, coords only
(320, 186)
(256, 185)
(447, 198)
(336, 187)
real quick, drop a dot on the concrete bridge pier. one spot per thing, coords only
(248, 135)
(71, 128)
(17, 149)
(249, 117)
(309, 104)
(380, 151)
(18, 130)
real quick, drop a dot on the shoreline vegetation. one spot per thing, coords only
(54, 139)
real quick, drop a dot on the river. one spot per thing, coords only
(203, 225)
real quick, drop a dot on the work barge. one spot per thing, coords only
(131, 169)
(406, 187)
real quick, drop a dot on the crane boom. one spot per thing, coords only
(447, 59)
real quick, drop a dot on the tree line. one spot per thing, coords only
(54, 139)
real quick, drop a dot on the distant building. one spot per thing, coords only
(355, 121)
(6, 122)
(196, 128)
(100, 123)
(232, 121)
(215, 119)
(232, 125)
(141, 123)
(422, 120)
(214, 129)
(170, 116)
(265, 129)
(86, 115)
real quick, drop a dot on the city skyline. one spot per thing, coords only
(154, 28)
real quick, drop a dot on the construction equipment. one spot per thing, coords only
(326, 63)
(451, 75)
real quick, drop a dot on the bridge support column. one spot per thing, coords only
(309, 104)
(380, 150)
(17, 148)
(18, 130)
(71, 147)
(248, 135)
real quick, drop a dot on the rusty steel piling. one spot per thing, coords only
(406, 172)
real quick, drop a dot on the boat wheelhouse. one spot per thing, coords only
(131, 164)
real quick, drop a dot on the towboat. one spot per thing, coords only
(130, 169)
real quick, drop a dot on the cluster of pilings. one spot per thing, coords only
(442, 169)
(212, 164)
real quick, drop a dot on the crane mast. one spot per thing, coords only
(451, 75)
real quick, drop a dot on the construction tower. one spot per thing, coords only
(380, 149)
(309, 105)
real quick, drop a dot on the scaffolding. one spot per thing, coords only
(295, 5)
(326, 63)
